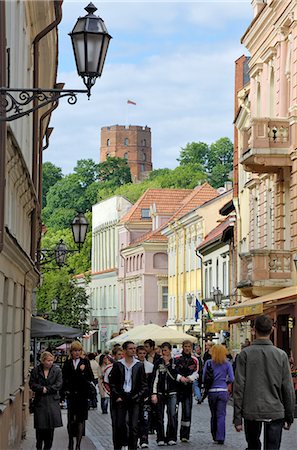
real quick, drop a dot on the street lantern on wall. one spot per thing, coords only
(217, 296)
(79, 227)
(189, 299)
(90, 40)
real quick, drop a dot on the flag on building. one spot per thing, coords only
(209, 313)
(130, 102)
(198, 308)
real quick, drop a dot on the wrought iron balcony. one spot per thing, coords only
(266, 145)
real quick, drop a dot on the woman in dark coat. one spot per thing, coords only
(77, 374)
(45, 382)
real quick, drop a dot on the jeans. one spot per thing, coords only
(170, 401)
(104, 404)
(217, 403)
(186, 400)
(272, 434)
(197, 390)
(144, 421)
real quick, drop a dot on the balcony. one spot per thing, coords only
(263, 271)
(266, 145)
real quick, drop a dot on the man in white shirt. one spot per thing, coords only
(128, 385)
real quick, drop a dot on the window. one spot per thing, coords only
(145, 213)
(126, 156)
(144, 142)
(108, 142)
(142, 168)
(164, 297)
(225, 290)
(126, 142)
(143, 156)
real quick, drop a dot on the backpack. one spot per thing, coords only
(209, 376)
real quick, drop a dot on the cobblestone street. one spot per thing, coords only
(99, 436)
(99, 431)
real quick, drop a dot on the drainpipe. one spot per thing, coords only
(36, 131)
(2, 124)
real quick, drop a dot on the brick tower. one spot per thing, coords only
(131, 142)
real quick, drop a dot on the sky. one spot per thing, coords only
(175, 59)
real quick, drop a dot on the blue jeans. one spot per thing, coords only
(170, 401)
(217, 403)
(186, 400)
(272, 434)
(197, 390)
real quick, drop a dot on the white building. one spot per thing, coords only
(104, 302)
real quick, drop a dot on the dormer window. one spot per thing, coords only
(145, 213)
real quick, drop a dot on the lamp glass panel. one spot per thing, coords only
(94, 43)
(105, 45)
(79, 50)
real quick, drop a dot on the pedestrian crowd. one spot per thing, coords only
(143, 387)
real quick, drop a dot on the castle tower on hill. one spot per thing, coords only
(130, 142)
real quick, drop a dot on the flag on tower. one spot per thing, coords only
(198, 308)
(130, 102)
(209, 313)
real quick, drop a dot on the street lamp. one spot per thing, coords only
(54, 304)
(295, 260)
(90, 40)
(189, 299)
(79, 227)
(217, 296)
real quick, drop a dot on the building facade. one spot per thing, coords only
(185, 231)
(103, 287)
(132, 143)
(28, 59)
(143, 268)
(265, 198)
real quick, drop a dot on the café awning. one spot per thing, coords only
(222, 323)
(260, 305)
(42, 328)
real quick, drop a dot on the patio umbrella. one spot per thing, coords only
(152, 331)
(45, 328)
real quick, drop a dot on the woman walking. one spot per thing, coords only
(104, 396)
(45, 382)
(218, 393)
(77, 375)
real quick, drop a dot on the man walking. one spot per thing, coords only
(263, 390)
(187, 366)
(127, 382)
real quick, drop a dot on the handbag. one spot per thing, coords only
(92, 393)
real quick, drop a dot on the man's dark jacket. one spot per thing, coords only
(117, 379)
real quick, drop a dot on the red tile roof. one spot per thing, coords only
(166, 201)
(214, 234)
(194, 199)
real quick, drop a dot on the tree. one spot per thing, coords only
(50, 175)
(114, 170)
(72, 298)
(87, 171)
(194, 153)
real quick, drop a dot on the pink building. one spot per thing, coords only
(143, 266)
(265, 197)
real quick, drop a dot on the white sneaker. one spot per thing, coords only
(160, 443)
(171, 443)
(144, 445)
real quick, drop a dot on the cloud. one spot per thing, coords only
(183, 83)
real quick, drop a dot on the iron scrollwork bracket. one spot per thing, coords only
(13, 101)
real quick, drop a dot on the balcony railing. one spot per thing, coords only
(266, 145)
(265, 270)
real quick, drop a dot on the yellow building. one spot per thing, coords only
(185, 231)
